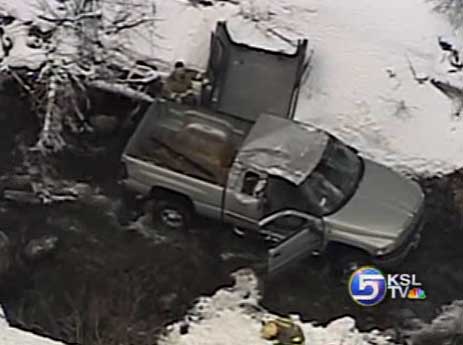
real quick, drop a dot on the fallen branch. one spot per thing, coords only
(419, 79)
(119, 27)
(121, 90)
(21, 197)
(145, 80)
(453, 93)
(60, 20)
(50, 137)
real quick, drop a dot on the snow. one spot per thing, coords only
(14, 336)
(189, 39)
(232, 316)
(351, 93)
(361, 87)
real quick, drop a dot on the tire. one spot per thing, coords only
(172, 214)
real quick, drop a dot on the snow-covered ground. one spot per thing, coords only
(14, 336)
(232, 316)
(361, 87)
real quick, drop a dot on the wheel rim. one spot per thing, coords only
(172, 218)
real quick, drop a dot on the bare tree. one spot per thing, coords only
(86, 48)
(86, 45)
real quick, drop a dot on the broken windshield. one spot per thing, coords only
(330, 185)
(334, 180)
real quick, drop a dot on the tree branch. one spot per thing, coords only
(121, 90)
(419, 79)
(125, 26)
(96, 14)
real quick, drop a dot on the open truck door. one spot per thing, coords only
(248, 81)
(300, 236)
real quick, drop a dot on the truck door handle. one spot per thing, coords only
(277, 254)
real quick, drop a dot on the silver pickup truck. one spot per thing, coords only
(296, 185)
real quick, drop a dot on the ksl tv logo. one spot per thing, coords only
(368, 286)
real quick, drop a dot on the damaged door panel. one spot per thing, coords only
(297, 235)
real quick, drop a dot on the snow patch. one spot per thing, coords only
(14, 336)
(232, 316)
(189, 39)
(361, 87)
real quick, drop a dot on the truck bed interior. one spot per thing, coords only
(194, 142)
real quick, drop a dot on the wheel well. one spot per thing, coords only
(165, 193)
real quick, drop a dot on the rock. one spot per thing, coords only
(41, 247)
(184, 327)
(343, 325)
(104, 124)
(102, 201)
(83, 189)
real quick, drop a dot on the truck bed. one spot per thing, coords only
(196, 143)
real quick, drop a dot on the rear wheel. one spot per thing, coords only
(172, 214)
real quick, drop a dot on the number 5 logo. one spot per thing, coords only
(369, 281)
(367, 286)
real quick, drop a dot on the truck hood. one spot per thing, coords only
(282, 147)
(383, 206)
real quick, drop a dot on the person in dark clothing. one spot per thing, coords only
(179, 86)
(178, 83)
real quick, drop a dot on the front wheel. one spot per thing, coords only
(172, 214)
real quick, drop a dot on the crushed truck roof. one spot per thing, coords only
(283, 148)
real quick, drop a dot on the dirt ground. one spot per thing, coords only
(103, 285)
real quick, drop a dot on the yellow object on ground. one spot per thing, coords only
(283, 332)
